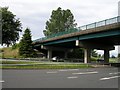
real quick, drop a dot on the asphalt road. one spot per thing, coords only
(64, 78)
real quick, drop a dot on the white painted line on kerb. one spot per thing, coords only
(2, 81)
(86, 73)
(51, 72)
(115, 73)
(69, 70)
(107, 78)
(72, 77)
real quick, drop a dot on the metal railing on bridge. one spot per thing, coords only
(85, 27)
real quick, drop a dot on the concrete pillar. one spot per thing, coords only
(106, 56)
(66, 54)
(87, 55)
(49, 55)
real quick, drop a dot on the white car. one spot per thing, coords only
(54, 58)
(57, 59)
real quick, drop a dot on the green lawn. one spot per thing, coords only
(113, 60)
(46, 66)
(42, 65)
(18, 62)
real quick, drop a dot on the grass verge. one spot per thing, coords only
(17, 62)
(40, 65)
(46, 66)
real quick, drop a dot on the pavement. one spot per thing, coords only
(106, 77)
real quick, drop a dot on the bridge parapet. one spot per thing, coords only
(92, 26)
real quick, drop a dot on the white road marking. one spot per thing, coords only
(72, 77)
(2, 81)
(69, 70)
(115, 73)
(86, 73)
(51, 72)
(107, 78)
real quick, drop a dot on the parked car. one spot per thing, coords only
(57, 59)
(100, 60)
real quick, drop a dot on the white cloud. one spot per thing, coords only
(35, 13)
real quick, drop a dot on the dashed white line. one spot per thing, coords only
(72, 77)
(86, 73)
(69, 70)
(115, 73)
(51, 72)
(107, 78)
(2, 81)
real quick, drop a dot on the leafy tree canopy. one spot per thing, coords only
(10, 27)
(60, 20)
(94, 53)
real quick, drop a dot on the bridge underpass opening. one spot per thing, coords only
(105, 43)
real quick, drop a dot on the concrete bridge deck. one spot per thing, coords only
(108, 24)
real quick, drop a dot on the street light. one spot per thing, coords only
(119, 8)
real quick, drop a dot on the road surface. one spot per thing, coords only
(61, 78)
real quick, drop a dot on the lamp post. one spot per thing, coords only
(119, 8)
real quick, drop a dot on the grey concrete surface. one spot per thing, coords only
(61, 78)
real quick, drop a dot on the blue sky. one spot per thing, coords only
(35, 13)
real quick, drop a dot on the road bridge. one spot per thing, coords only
(102, 35)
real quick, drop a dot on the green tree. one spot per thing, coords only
(94, 53)
(10, 27)
(61, 20)
(119, 55)
(26, 46)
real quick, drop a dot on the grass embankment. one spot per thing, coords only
(9, 52)
(41, 65)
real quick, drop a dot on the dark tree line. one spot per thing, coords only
(11, 26)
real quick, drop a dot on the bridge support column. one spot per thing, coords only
(87, 55)
(49, 54)
(106, 56)
(66, 54)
